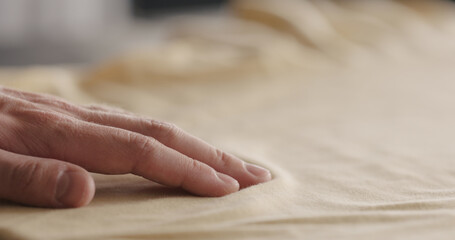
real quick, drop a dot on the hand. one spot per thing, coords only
(47, 145)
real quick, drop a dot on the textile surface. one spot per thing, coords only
(350, 104)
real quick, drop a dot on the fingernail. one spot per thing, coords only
(63, 186)
(71, 189)
(258, 171)
(227, 179)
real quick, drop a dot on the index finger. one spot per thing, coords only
(173, 137)
(111, 150)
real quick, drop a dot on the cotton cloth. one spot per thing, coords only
(350, 104)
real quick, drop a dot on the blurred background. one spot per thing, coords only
(83, 31)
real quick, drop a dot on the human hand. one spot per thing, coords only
(47, 145)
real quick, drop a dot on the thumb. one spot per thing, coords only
(44, 182)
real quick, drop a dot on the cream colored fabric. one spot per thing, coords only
(349, 103)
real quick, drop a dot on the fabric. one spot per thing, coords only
(350, 104)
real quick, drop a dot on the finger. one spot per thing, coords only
(106, 109)
(110, 150)
(247, 174)
(168, 134)
(43, 182)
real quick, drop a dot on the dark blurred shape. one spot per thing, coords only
(146, 8)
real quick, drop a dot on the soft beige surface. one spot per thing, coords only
(350, 103)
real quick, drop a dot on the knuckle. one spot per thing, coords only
(97, 108)
(61, 104)
(36, 115)
(164, 130)
(55, 124)
(35, 99)
(143, 147)
(223, 158)
(105, 108)
(144, 144)
(48, 117)
(36, 124)
(12, 105)
(192, 168)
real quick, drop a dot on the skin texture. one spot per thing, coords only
(48, 146)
